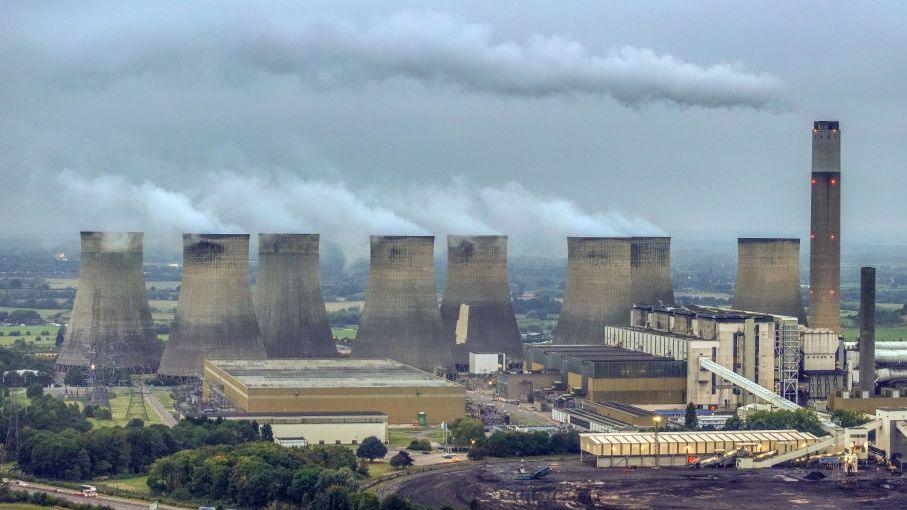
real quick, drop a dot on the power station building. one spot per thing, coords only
(214, 314)
(400, 318)
(288, 300)
(599, 289)
(825, 229)
(605, 373)
(742, 341)
(768, 277)
(289, 387)
(476, 309)
(111, 323)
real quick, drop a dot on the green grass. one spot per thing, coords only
(118, 406)
(21, 506)
(135, 484)
(883, 333)
(166, 399)
(401, 437)
(345, 333)
(376, 469)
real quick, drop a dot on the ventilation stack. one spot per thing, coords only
(400, 318)
(868, 329)
(650, 270)
(825, 231)
(288, 300)
(476, 309)
(111, 321)
(214, 314)
(599, 289)
(768, 277)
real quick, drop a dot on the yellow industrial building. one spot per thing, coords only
(308, 386)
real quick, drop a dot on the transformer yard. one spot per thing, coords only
(575, 485)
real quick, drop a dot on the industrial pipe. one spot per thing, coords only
(890, 374)
(883, 346)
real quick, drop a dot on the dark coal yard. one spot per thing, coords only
(574, 485)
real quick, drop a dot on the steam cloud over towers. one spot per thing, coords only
(476, 309)
(111, 319)
(214, 314)
(288, 299)
(825, 231)
(768, 276)
(599, 289)
(650, 270)
(400, 318)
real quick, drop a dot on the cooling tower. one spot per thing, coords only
(768, 277)
(400, 318)
(111, 321)
(477, 299)
(650, 270)
(214, 314)
(599, 290)
(868, 329)
(825, 231)
(288, 300)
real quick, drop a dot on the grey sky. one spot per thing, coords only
(533, 119)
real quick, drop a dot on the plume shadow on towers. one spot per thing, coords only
(289, 303)
(214, 313)
(476, 309)
(400, 318)
(111, 314)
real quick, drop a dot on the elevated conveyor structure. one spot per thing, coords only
(765, 394)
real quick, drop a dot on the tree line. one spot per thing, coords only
(259, 474)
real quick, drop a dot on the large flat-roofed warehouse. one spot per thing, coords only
(332, 385)
(602, 373)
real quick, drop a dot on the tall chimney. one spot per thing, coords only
(650, 270)
(868, 329)
(214, 314)
(477, 297)
(825, 232)
(400, 318)
(111, 320)
(599, 289)
(288, 300)
(768, 277)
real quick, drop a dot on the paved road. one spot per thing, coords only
(519, 414)
(71, 495)
(166, 418)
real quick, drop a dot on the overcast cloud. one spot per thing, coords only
(536, 120)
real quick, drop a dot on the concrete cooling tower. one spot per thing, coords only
(214, 314)
(768, 277)
(288, 300)
(476, 309)
(599, 289)
(650, 270)
(111, 321)
(400, 318)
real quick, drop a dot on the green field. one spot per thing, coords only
(118, 406)
(45, 313)
(345, 333)
(21, 506)
(135, 485)
(165, 397)
(883, 333)
(401, 437)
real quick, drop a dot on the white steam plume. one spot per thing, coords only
(430, 48)
(536, 224)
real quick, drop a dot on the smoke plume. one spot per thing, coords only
(430, 48)
(228, 202)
